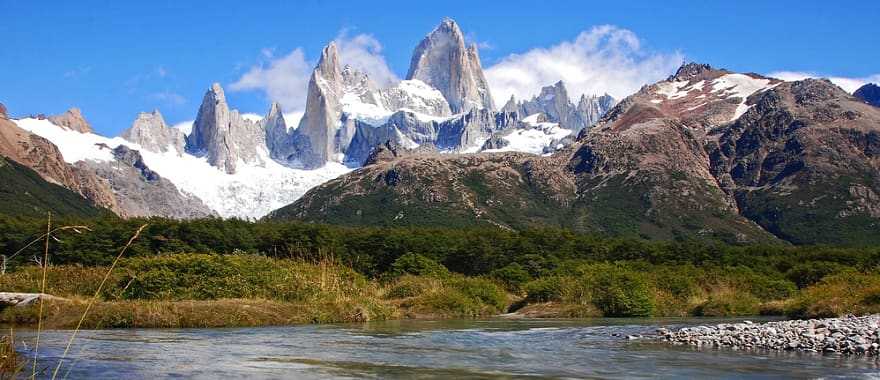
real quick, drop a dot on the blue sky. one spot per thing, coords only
(114, 59)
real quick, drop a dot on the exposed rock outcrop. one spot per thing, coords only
(706, 153)
(278, 137)
(223, 136)
(314, 138)
(151, 133)
(141, 192)
(43, 157)
(445, 62)
(73, 120)
(554, 103)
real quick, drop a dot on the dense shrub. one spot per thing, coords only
(620, 292)
(512, 276)
(545, 289)
(809, 273)
(846, 292)
(417, 265)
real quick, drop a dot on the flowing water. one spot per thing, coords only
(479, 349)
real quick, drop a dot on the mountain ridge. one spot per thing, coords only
(674, 160)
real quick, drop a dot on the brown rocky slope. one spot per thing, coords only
(706, 153)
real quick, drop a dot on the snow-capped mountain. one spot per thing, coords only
(705, 153)
(233, 164)
(443, 61)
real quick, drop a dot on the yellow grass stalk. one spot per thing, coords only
(95, 298)
(42, 291)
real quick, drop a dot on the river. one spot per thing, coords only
(461, 349)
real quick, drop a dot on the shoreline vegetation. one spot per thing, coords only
(236, 290)
(269, 273)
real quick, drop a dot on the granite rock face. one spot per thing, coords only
(223, 136)
(73, 120)
(443, 61)
(556, 106)
(314, 138)
(43, 157)
(141, 192)
(707, 153)
(151, 133)
(278, 137)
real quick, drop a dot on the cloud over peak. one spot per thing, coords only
(285, 79)
(603, 59)
(849, 85)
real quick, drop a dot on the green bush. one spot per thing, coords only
(482, 290)
(728, 302)
(512, 276)
(622, 293)
(544, 289)
(809, 273)
(408, 286)
(417, 265)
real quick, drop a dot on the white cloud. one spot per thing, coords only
(849, 85)
(604, 59)
(364, 52)
(185, 126)
(284, 80)
(292, 119)
(251, 117)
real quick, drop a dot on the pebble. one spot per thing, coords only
(849, 335)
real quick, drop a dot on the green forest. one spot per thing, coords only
(359, 273)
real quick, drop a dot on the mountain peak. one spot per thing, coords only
(2, 111)
(72, 119)
(150, 132)
(274, 109)
(447, 25)
(216, 91)
(690, 70)
(444, 61)
(329, 61)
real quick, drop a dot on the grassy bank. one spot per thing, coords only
(208, 290)
(202, 290)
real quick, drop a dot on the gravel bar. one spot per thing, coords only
(848, 335)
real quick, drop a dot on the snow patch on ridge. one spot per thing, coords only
(740, 86)
(252, 192)
(533, 139)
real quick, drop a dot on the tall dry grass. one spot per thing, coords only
(11, 364)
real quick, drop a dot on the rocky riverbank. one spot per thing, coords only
(847, 335)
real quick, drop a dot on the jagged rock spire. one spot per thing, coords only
(72, 119)
(150, 132)
(278, 139)
(317, 128)
(223, 136)
(690, 70)
(445, 62)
